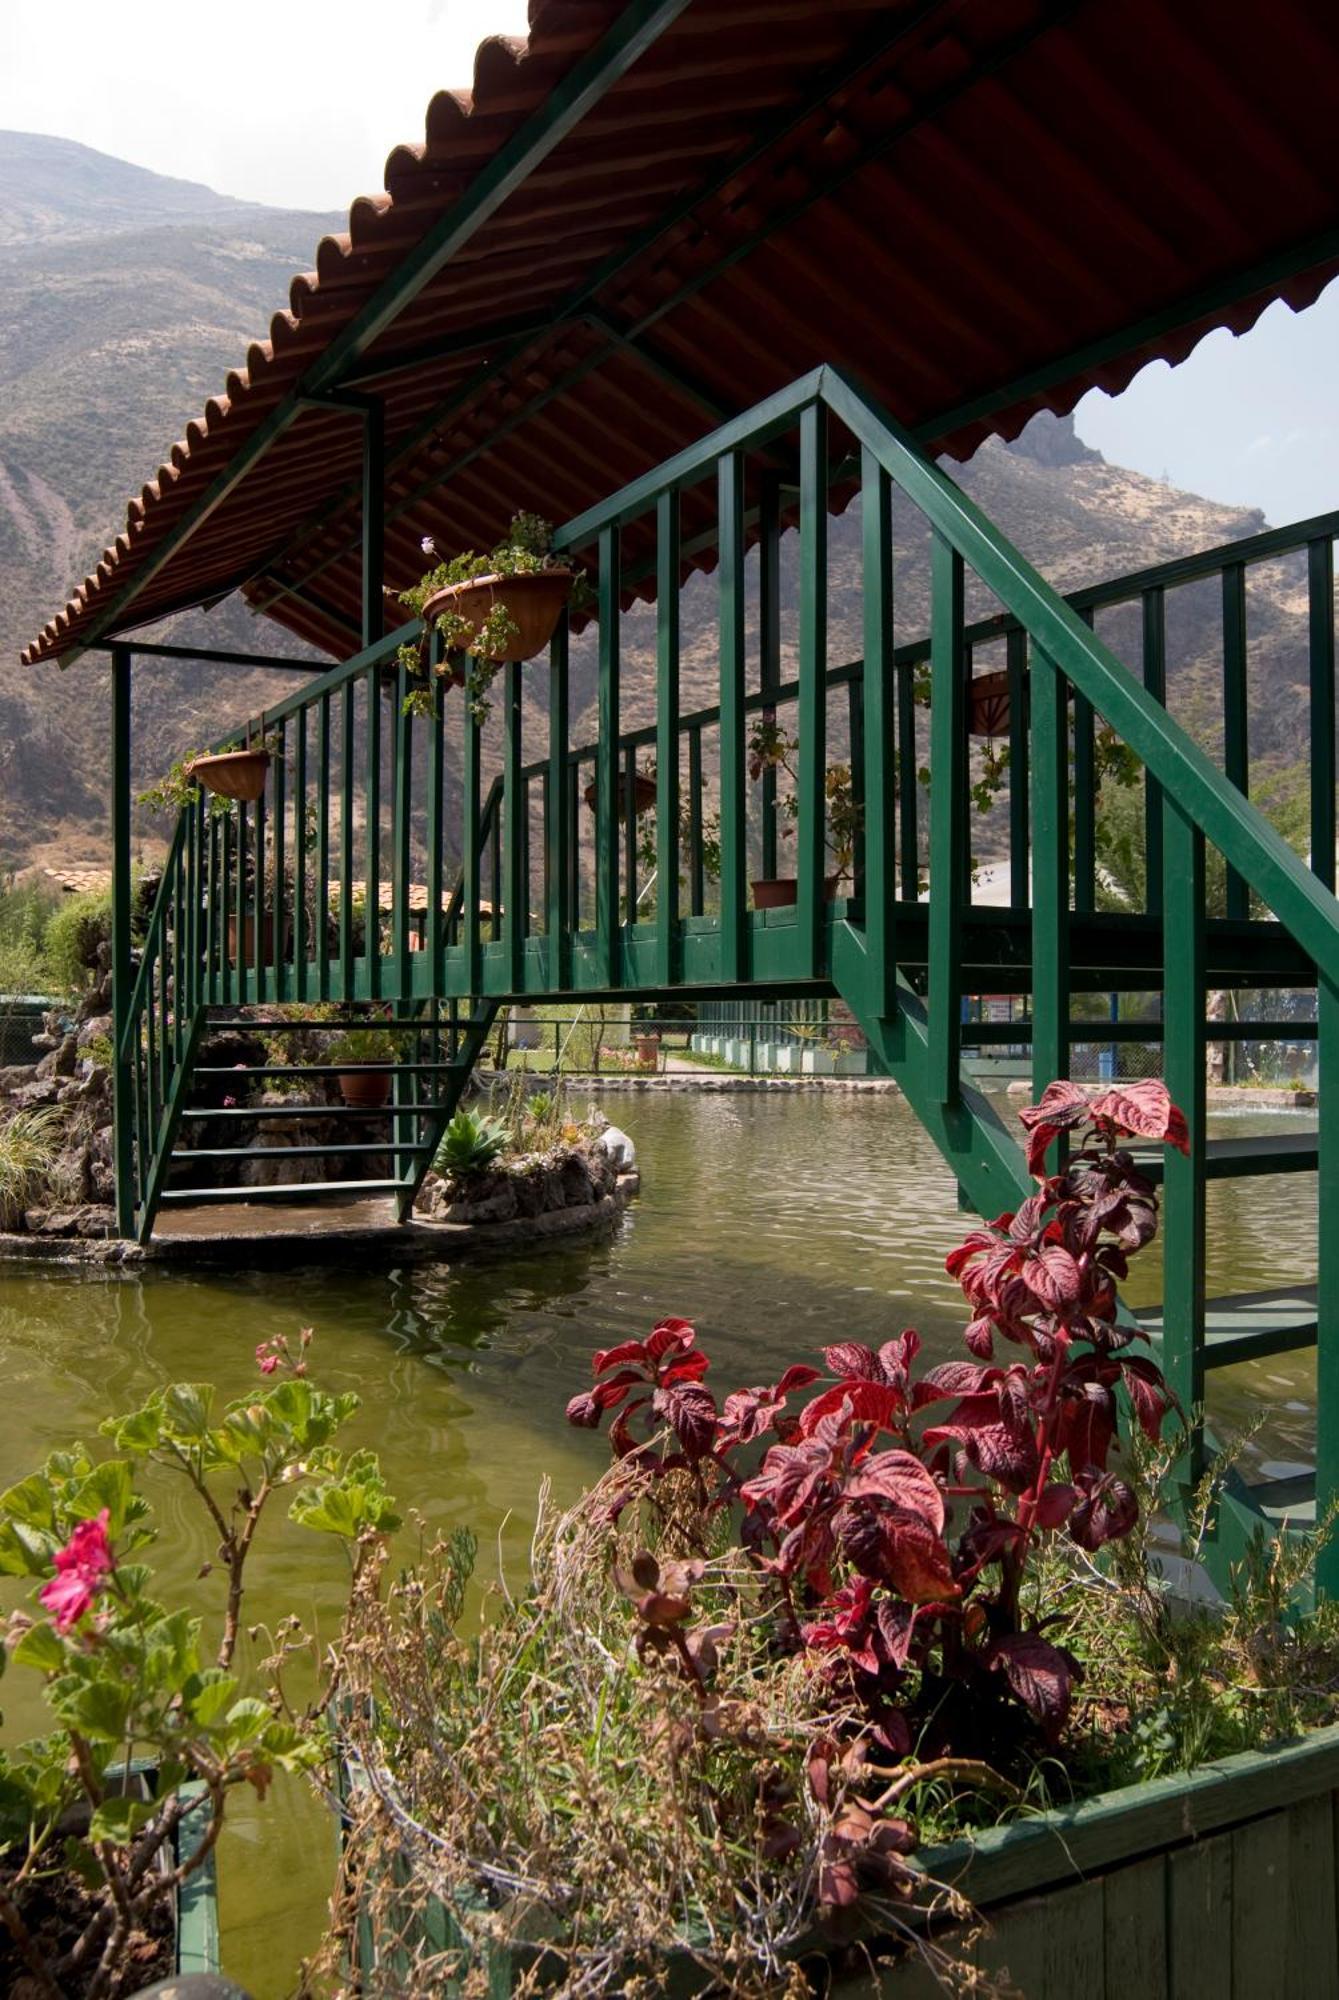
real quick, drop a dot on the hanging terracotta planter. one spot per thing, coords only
(779, 892)
(988, 704)
(233, 774)
(534, 601)
(643, 795)
(365, 1089)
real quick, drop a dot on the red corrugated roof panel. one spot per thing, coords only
(981, 209)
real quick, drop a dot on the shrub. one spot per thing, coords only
(29, 1144)
(836, 1587)
(74, 935)
(127, 1678)
(26, 911)
(470, 1143)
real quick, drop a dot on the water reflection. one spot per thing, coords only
(776, 1222)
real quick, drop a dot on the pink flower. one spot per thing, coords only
(229, 1103)
(80, 1567)
(266, 1358)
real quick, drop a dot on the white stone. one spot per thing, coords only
(618, 1146)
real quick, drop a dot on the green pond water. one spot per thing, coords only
(777, 1222)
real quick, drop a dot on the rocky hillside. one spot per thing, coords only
(127, 296)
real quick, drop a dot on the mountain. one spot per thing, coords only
(127, 297)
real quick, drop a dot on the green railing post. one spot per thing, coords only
(121, 913)
(811, 828)
(1154, 618)
(1320, 640)
(1015, 652)
(515, 893)
(1050, 874)
(1236, 747)
(321, 892)
(1183, 1067)
(880, 695)
(948, 818)
(346, 788)
(667, 737)
(734, 826)
(472, 863)
(402, 738)
(606, 769)
(908, 785)
(301, 856)
(769, 646)
(1085, 803)
(372, 838)
(436, 818)
(1327, 1285)
(560, 919)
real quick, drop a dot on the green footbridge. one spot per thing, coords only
(534, 897)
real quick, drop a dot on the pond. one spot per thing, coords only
(777, 1222)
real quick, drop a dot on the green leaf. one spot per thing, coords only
(186, 1408)
(208, 1694)
(32, 1501)
(244, 1722)
(110, 1485)
(39, 1647)
(98, 1708)
(140, 1431)
(119, 1819)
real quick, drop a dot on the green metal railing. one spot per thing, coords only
(547, 899)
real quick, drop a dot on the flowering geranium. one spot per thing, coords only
(147, 1684)
(80, 1568)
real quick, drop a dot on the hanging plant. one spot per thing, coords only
(491, 608)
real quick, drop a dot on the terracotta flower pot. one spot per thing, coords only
(643, 795)
(234, 774)
(365, 1089)
(248, 936)
(534, 602)
(988, 705)
(780, 891)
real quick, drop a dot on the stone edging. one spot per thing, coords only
(416, 1242)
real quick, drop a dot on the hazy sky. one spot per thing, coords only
(298, 103)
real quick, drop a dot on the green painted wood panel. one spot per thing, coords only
(1199, 1919)
(606, 768)
(558, 830)
(879, 703)
(1134, 1930)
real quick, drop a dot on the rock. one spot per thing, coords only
(32, 1096)
(578, 1187)
(94, 1027)
(618, 1146)
(193, 1986)
(89, 1219)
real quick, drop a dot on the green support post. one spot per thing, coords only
(1183, 1069)
(301, 856)
(321, 898)
(346, 844)
(372, 841)
(948, 818)
(401, 854)
(811, 827)
(667, 738)
(734, 825)
(880, 694)
(121, 964)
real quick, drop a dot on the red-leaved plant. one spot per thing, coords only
(894, 1514)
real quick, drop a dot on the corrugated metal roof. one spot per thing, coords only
(980, 207)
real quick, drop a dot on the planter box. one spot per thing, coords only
(1216, 1886)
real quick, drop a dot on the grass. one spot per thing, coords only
(29, 1145)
